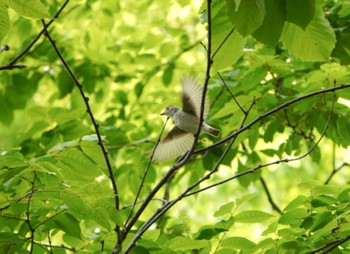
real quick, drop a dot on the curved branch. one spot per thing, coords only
(12, 64)
(96, 127)
(286, 160)
(276, 109)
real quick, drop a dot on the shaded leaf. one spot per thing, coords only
(271, 29)
(248, 17)
(300, 12)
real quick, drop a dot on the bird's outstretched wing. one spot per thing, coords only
(192, 97)
(176, 143)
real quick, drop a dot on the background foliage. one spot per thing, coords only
(282, 186)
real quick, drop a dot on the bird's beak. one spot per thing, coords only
(162, 114)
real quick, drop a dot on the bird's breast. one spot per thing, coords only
(186, 121)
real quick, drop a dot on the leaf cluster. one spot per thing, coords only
(82, 85)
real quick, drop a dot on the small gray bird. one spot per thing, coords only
(180, 139)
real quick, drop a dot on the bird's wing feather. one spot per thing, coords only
(176, 143)
(192, 97)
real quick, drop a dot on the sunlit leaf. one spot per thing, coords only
(251, 216)
(240, 243)
(4, 21)
(182, 243)
(315, 43)
(29, 8)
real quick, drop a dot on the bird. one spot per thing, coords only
(180, 139)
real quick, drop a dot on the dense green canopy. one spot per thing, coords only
(82, 86)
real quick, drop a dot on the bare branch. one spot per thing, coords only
(94, 122)
(269, 196)
(336, 170)
(223, 42)
(272, 111)
(169, 204)
(183, 160)
(145, 173)
(12, 64)
(327, 248)
(286, 160)
(233, 97)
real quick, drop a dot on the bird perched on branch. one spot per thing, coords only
(180, 139)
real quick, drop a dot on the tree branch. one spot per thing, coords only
(276, 109)
(12, 64)
(145, 174)
(269, 197)
(94, 122)
(286, 160)
(331, 245)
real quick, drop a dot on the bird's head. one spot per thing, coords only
(170, 111)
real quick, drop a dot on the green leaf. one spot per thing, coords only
(300, 12)
(138, 89)
(208, 232)
(326, 190)
(252, 216)
(248, 17)
(76, 165)
(342, 47)
(297, 202)
(4, 21)
(343, 129)
(168, 74)
(240, 243)
(293, 216)
(293, 245)
(93, 151)
(121, 97)
(245, 198)
(230, 51)
(69, 224)
(6, 116)
(271, 29)
(182, 243)
(225, 209)
(151, 235)
(227, 44)
(315, 43)
(29, 8)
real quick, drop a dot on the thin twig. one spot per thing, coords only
(28, 220)
(169, 204)
(95, 124)
(187, 156)
(142, 201)
(223, 42)
(12, 64)
(336, 170)
(233, 97)
(269, 196)
(286, 160)
(183, 160)
(145, 173)
(331, 245)
(272, 111)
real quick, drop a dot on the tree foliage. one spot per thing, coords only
(83, 84)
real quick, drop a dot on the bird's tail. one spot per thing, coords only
(211, 131)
